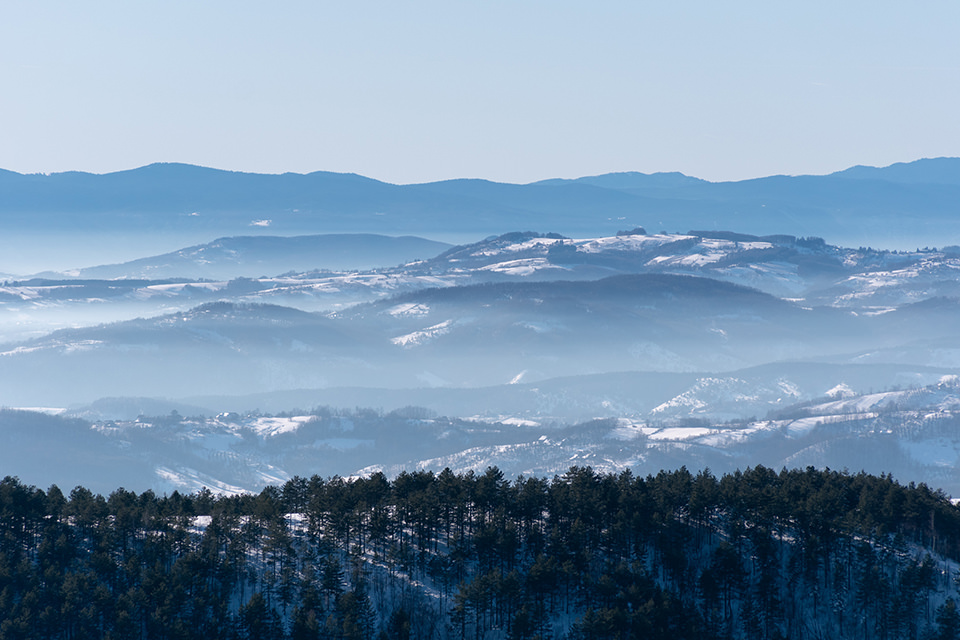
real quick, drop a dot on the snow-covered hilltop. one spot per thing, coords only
(912, 433)
(531, 351)
(803, 268)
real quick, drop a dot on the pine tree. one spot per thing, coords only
(948, 621)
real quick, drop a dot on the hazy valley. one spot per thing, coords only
(323, 429)
(526, 350)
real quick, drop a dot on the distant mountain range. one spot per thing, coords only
(252, 256)
(518, 307)
(471, 335)
(659, 422)
(867, 281)
(526, 350)
(862, 205)
(586, 334)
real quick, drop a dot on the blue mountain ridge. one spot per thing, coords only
(855, 206)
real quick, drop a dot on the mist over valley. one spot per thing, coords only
(257, 408)
(479, 321)
(528, 350)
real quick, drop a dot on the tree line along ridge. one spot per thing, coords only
(754, 554)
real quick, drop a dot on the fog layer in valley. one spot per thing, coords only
(260, 348)
(527, 351)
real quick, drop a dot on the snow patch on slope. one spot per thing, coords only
(270, 427)
(188, 480)
(841, 392)
(423, 336)
(409, 309)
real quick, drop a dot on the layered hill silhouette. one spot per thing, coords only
(251, 256)
(855, 206)
(463, 336)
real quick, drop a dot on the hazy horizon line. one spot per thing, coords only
(465, 178)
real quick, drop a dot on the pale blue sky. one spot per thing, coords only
(511, 91)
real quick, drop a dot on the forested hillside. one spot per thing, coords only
(756, 554)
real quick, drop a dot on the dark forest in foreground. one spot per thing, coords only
(755, 554)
